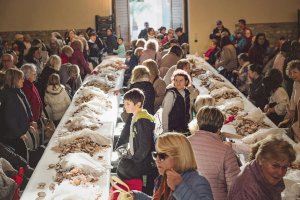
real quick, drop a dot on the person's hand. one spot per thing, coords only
(271, 110)
(284, 123)
(235, 72)
(173, 179)
(116, 92)
(34, 125)
(228, 143)
(23, 137)
(266, 108)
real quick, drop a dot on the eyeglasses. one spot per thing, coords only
(160, 156)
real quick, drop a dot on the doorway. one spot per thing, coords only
(156, 12)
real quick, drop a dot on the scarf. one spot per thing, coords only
(163, 192)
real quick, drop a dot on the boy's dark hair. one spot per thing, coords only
(121, 38)
(179, 29)
(129, 53)
(176, 49)
(242, 21)
(244, 57)
(273, 80)
(256, 68)
(135, 95)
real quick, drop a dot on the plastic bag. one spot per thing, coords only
(85, 162)
(255, 115)
(204, 100)
(94, 135)
(261, 134)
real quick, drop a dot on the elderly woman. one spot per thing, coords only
(151, 52)
(78, 58)
(31, 91)
(170, 59)
(293, 112)
(15, 112)
(215, 160)
(262, 178)
(158, 84)
(53, 66)
(178, 176)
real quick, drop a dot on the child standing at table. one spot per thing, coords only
(121, 48)
(56, 99)
(176, 105)
(138, 165)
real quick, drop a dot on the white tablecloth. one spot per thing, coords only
(42, 174)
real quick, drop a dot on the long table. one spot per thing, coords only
(43, 174)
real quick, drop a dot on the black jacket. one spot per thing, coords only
(111, 44)
(15, 113)
(43, 80)
(184, 38)
(143, 34)
(180, 114)
(141, 162)
(257, 93)
(149, 93)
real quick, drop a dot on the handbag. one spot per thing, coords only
(123, 194)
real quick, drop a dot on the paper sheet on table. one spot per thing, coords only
(85, 162)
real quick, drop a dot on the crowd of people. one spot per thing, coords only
(38, 81)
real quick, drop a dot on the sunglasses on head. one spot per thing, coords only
(160, 156)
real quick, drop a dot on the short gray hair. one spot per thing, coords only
(27, 69)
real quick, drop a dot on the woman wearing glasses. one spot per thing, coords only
(262, 178)
(178, 177)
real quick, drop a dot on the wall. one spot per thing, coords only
(204, 13)
(50, 14)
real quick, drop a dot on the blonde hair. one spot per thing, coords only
(139, 72)
(272, 148)
(178, 147)
(2, 80)
(12, 77)
(73, 69)
(138, 50)
(152, 44)
(54, 62)
(67, 49)
(77, 44)
(140, 43)
(210, 119)
(152, 66)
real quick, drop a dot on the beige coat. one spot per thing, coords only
(215, 161)
(160, 91)
(167, 62)
(228, 58)
(57, 102)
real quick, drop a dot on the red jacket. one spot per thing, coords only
(34, 99)
(78, 59)
(64, 58)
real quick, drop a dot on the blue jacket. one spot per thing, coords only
(192, 187)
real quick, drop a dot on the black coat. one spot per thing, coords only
(15, 114)
(43, 80)
(257, 93)
(111, 43)
(141, 163)
(149, 93)
(184, 38)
